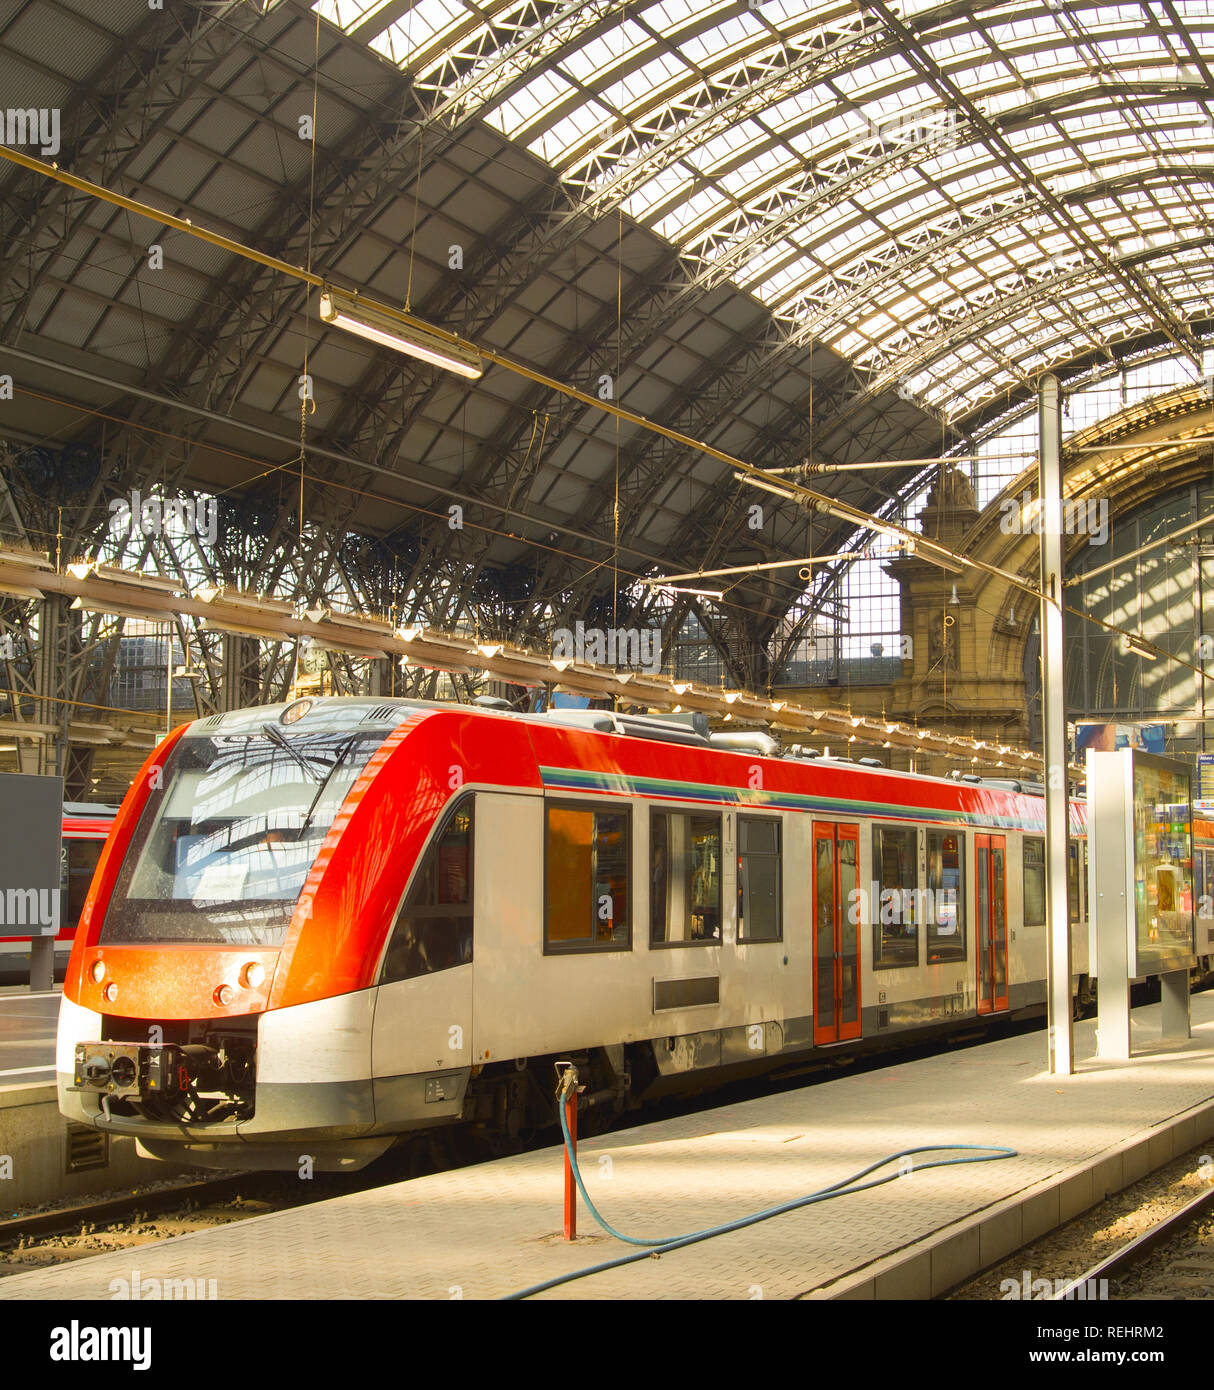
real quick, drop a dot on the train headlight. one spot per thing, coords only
(98, 971)
(224, 994)
(111, 991)
(295, 711)
(252, 975)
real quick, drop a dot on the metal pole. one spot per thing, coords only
(567, 1089)
(570, 1185)
(1059, 1035)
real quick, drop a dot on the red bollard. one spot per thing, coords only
(570, 1185)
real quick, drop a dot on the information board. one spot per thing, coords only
(1204, 800)
(31, 842)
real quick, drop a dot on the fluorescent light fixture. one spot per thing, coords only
(319, 644)
(121, 610)
(1135, 646)
(249, 603)
(675, 589)
(263, 634)
(34, 558)
(132, 579)
(345, 311)
(356, 622)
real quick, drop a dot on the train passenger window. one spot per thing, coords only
(894, 897)
(1072, 880)
(82, 857)
(758, 879)
(1034, 881)
(945, 908)
(685, 879)
(434, 929)
(587, 861)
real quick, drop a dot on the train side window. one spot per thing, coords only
(759, 880)
(895, 884)
(587, 872)
(946, 883)
(82, 857)
(434, 929)
(1072, 880)
(685, 879)
(1034, 881)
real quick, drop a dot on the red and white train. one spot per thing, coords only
(321, 926)
(85, 827)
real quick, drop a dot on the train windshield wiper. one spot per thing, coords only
(276, 736)
(320, 791)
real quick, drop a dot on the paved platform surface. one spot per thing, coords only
(484, 1231)
(27, 1036)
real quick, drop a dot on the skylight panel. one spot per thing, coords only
(671, 14)
(794, 108)
(522, 109)
(666, 184)
(592, 61)
(639, 88)
(734, 33)
(419, 29)
(848, 344)
(348, 14)
(794, 274)
(570, 131)
(1052, 59)
(890, 186)
(757, 266)
(704, 202)
(724, 147)
(988, 80)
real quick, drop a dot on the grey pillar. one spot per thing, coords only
(42, 964)
(1060, 1040)
(1110, 869)
(1174, 1004)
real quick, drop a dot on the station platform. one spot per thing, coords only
(489, 1230)
(27, 1035)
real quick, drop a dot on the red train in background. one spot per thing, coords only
(321, 927)
(85, 827)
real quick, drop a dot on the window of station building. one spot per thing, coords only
(685, 879)
(946, 884)
(587, 861)
(759, 881)
(893, 896)
(1034, 881)
(434, 929)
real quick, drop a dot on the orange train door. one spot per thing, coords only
(836, 933)
(991, 880)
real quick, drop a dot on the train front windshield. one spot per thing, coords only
(224, 845)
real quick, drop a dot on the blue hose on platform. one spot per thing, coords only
(844, 1187)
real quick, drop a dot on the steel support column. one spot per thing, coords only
(1053, 711)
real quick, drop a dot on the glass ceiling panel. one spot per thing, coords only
(852, 169)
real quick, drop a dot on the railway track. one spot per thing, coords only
(1173, 1260)
(1114, 1249)
(40, 1239)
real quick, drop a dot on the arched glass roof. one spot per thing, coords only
(952, 197)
